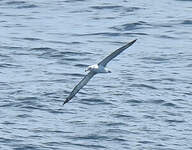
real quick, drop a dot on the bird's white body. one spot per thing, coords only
(98, 69)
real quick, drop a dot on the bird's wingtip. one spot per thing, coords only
(66, 101)
(134, 40)
(130, 43)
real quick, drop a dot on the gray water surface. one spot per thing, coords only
(145, 103)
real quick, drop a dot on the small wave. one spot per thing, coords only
(81, 65)
(106, 7)
(134, 33)
(44, 52)
(115, 124)
(3, 56)
(12, 47)
(187, 22)
(28, 6)
(2, 21)
(154, 80)
(41, 49)
(188, 93)
(115, 8)
(189, 65)
(47, 52)
(131, 26)
(8, 65)
(15, 2)
(169, 79)
(145, 142)
(99, 18)
(118, 139)
(32, 39)
(90, 137)
(8, 123)
(29, 103)
(155, 60)
(21, 4)
(74, 74)
(67, 43)
(75, 59)
(28, 99)
(144, 85)
(89, 146)
(51, 144)
(23, 116)
(27, 146)
(149, 116)
(71, 53)
(55, 111)
(7, 140)
(99, 33)
(122, 116)
(166, 37)
(73, 1)
(7, 105)
(185, 0)
(174, 121)
(94, 102)
(118, 131)
(157, 101)
(169, 104)
(110, 34)
(131, 9)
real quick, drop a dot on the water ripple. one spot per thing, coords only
(132, 26)
(144, 102)
(21, 4)
(187, 22)
(115, 8)
(143, 86)
(94, 102)
(107, 7)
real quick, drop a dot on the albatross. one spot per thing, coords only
(95, 69)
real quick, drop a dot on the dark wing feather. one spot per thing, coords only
(80, 85)
(115, 53)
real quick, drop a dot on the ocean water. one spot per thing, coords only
(144, 104)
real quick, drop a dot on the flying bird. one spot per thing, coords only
(96, 68)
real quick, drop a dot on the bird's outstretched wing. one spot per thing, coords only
(115, 53)
(80, 85)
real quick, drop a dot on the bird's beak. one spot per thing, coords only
(87, 69)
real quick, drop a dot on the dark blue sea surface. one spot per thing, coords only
(144, 104)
